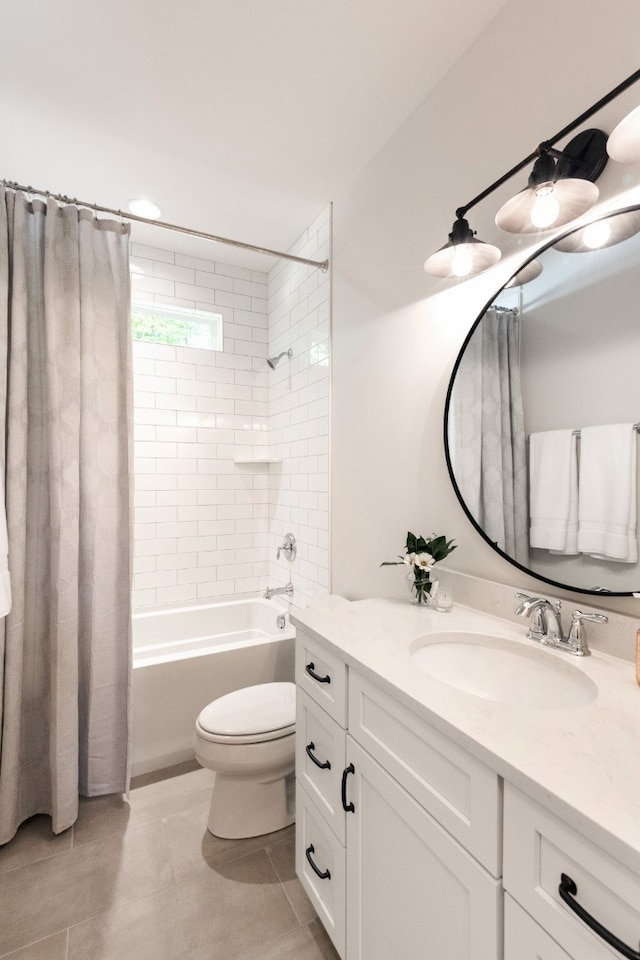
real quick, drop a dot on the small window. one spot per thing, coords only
(176, 325)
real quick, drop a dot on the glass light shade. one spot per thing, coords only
(528, 273)
(573, 196)
(623, 144)
(621, 226)
(144, 208)
(473, 257)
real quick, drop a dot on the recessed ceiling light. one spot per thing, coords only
(145, 208)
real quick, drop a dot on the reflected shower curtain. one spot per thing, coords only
(489, 443)
(65, 375)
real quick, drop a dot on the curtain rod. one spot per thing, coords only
(320, 264)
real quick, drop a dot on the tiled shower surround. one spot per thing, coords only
(206, 526)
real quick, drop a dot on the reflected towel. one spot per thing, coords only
(5, 582)
(553, 491)
(607, 509)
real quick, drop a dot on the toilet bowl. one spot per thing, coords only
(248, 738)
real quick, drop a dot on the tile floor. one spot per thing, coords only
(144, 880)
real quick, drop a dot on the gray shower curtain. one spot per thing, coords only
(65, 382)
(489, 443)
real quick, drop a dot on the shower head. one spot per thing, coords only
(274, 361)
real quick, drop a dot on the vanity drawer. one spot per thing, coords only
(316, 846)
(458, 791)
(320, 760)
(539, 849)
(524, 939)
(322, 675)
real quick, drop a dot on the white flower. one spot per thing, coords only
(410, 559)
(424, 560)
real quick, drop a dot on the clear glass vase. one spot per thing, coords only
(423, 591)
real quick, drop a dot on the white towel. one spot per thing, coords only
(553, 491)
(5, 582)
(607, 509)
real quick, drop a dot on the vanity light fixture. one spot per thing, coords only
(561, 188)
(601, 233)
(463, 255)
(624, 143)
(528, 273)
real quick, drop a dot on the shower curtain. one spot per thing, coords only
(489, 444)
(65, 377)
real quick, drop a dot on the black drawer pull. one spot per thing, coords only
(324, 765)
(347, 807)
(310, 668)
(567, 891)
(323, 874)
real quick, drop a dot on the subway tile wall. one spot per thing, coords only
(299, 318)
(201, 521)
(205, 526)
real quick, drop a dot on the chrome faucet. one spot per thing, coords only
(546, 624)
(276, 591)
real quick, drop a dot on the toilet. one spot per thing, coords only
(248, 738)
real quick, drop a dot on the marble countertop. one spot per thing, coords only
(581, 762)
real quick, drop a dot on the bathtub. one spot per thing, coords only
(184, 657)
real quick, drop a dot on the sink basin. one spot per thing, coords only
(503, 670)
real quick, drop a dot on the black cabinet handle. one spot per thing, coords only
(567, 891)
(310, 668)
(347, 807)
(323, 874)
(324, 765)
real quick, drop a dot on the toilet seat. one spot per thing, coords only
(255, 714)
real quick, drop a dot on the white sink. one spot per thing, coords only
(503, 670)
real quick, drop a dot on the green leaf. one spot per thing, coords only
(411, 543)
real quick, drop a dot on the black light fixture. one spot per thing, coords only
(561, 188)
(463, 255)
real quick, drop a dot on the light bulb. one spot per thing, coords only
(546, 208)
(596, 234)
(144, 208)
(461, 261)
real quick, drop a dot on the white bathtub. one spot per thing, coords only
(184, 657)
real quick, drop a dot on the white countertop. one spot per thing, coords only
(582, 762)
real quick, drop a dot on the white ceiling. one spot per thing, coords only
(243, 118)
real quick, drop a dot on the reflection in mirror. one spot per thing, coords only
(541, 411)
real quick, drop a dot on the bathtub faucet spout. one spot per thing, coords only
(275, 591)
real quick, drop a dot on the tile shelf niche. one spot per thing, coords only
(257, 460)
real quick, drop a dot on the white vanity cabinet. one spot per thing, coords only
(397, 840)
(543, 854)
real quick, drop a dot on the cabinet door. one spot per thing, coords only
(524, 939)
(320, 746)
(320, 865)
(413, 891)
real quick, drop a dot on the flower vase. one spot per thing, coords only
(423, 591)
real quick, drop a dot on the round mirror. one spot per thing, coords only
(543, 412)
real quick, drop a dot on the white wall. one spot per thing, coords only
(396, 332)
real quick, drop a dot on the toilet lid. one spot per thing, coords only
(251, 711)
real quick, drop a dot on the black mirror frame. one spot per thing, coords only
(494, 546)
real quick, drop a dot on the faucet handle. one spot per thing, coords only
(577, 639)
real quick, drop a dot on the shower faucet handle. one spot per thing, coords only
(288, 547)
